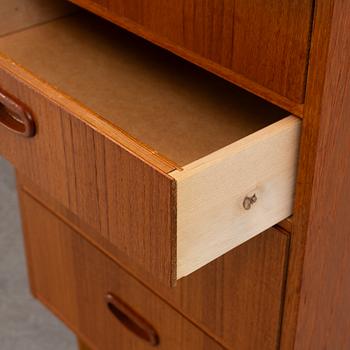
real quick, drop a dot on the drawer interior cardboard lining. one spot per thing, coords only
(177, 109)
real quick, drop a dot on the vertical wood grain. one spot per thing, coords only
(236, 298)
(72, 279)
(123, 198)
(245, 41)
(317, 304)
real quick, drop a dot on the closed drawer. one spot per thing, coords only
(228, 167)
(236, 298)
(262, 46)
(106, 307)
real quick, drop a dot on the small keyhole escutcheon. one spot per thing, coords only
(249, 201)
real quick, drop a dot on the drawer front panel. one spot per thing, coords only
(73, 279)
(120, 196)
(260, 45)
(237, 297)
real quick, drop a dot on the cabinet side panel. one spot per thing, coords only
(318, 287)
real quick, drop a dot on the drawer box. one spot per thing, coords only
(170, 164)
(261, 45)
(101, 303)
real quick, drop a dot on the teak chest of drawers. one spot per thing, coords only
(150, 187)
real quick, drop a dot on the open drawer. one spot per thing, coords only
(168, 163)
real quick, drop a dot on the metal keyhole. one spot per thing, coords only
(249, 201)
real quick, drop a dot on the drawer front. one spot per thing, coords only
(237, 297)
(128, 202)
(263, 46)
(106, 307)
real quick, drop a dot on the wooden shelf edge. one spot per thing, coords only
(245, 83)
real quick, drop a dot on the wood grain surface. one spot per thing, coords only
(317, 301)
(287, 224)
(258, 45)
(272, 62)
(72, 278)
(236, 298)
(82, 346)
(121, 196)
(211, 218)
(15, 75)
(132, 84)
(128, 201)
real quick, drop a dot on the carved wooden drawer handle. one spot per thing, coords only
(131, 320)
(15, 117)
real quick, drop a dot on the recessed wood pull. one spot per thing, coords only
(15, 117)
(131, 320)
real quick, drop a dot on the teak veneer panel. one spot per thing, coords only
(178, 110)
(72, 278)
(95, 178)
(146, 212)
(317, 305)
(236, 298)
(261, 46)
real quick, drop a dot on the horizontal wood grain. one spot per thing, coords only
(72, 278)
(236, 298)
(211, 218)
(260, 46)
